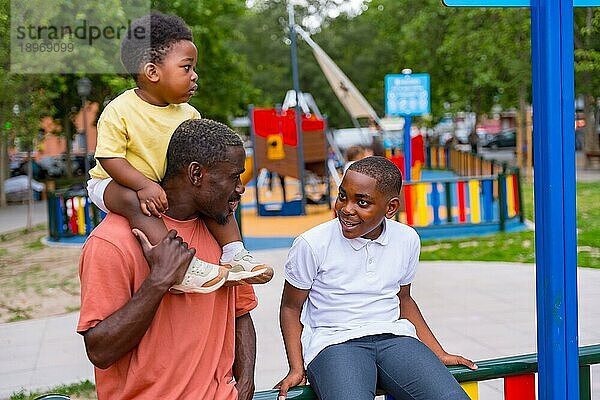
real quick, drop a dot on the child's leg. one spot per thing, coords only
(344, 371)
(240, 262)
(201, 277)
(408, 369)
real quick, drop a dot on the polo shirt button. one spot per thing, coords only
(371, 261)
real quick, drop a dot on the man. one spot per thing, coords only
(146, 342)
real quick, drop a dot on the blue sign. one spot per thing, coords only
(510, 3)
(406, 94)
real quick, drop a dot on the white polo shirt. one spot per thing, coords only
(353, 283)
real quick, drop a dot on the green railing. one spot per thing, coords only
(518, 373)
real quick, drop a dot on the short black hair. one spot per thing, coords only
(201, 140)
(385, 172)
(149, 39)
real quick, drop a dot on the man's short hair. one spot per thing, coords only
(140, 46)
(385, 172)
(201, 140)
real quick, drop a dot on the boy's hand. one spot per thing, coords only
(293, 378)
(453, 359)
(153, 199)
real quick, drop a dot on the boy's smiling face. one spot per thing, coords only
(177, 81)
(361, 207)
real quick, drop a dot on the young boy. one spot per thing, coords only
(133, 135)
(346, 312)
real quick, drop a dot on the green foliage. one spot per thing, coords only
(476, 57)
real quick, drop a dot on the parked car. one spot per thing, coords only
(503, 139)
(17, 189)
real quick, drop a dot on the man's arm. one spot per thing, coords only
(245, 356)
(291, 328)
(122, 331)
(410, 310)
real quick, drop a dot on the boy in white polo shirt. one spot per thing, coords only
(346, 312)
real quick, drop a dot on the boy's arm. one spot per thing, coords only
(410, 310)
(152, 197)
(291, 328)
(245, 356)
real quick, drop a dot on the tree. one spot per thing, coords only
(587, 64)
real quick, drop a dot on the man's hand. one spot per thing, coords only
(153, 199)
(293, 378)
(168, 260)
(452, 359)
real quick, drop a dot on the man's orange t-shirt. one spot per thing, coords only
(188, 350)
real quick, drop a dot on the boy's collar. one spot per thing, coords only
(382, 239)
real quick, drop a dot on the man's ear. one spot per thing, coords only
(195, 173)
(392, 207)
(150, 71)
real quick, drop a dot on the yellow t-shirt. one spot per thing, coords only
(140, 132)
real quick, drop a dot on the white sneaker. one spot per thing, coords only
(201, 277)
(244, 266)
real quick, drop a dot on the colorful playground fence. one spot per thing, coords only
(463, 200)
(485, 194)
(517, 373)
(461, 162)
(71, 214)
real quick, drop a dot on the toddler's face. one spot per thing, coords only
(360, 206)
(178, 78)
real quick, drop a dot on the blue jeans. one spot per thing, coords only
(401, 365)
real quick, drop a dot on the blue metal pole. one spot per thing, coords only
(555, 234)
(407, 155)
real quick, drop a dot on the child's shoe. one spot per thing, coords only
(201, 277)
(244, 266)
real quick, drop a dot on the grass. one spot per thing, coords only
(81, 390)
(35, 245)
(520, 246)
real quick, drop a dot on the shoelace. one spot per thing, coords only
(244, 255)
(200, 268)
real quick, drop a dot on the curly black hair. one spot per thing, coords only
(149, 39)
(201, 140)
(385, 172)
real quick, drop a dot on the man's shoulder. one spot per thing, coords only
(114, 228)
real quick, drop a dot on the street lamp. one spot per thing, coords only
(84, 88)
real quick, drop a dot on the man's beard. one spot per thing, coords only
(224, 219)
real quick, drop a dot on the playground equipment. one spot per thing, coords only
(71, 215)
(277, 149)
